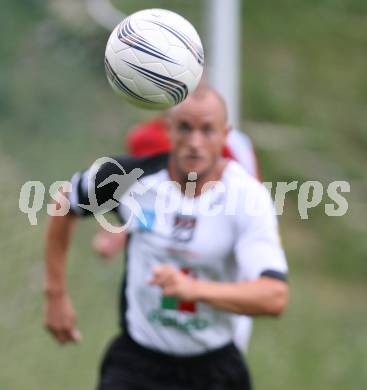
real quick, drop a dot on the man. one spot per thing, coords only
(191, 267)
(151, 138)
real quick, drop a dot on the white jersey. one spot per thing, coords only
(241, 147)
(243, 151)
(227, 234)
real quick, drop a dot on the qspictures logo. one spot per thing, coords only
(128, 187)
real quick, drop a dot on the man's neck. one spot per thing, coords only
(214, 175)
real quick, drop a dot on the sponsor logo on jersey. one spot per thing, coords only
(174, 319)
(177, 313)
(184, 227)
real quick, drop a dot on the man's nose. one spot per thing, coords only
(195, 139)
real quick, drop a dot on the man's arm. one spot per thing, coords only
(59, 316)
(260, 287)
(263, 296)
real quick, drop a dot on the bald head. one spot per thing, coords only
(206, 96)
(198, 130)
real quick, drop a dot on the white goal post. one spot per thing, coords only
(223, 18)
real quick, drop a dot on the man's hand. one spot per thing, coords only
(263, 296)
(107, 244)
(175, 283)
(60, 319)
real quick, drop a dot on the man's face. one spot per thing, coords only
(198, 133)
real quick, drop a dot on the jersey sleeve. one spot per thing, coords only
(101, 187)
(258, 250)
(93, 190)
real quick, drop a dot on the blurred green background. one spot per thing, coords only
(304, 90)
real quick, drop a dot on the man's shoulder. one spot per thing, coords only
(235, 173)
(126, 163)
(248, 189)
(110, 177)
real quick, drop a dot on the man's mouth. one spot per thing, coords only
(193, 157)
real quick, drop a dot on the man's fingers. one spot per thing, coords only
(59, 335)
(65, 335)
(161, 279)
(60, 319)
(71, 336)
(162, 275)
(76, 335)
(68, 336)
(169, 290)
(164, 269)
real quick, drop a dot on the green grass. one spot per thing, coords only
(304, 84)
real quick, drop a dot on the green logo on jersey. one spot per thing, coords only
(173, 303)
(185, 324)
(178, 313)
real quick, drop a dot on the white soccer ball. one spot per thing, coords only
(154, 58)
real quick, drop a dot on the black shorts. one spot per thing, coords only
(129, 366)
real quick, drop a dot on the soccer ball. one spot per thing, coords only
(154, 58)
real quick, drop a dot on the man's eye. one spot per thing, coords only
(184, 127)
(207, 130)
